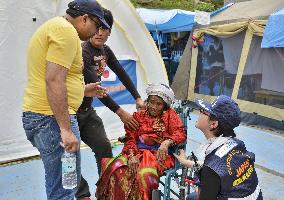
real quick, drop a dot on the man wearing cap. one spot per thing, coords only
(55, 89)
(96, 56)
(227, 168)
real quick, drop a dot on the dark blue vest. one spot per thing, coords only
(235, 167)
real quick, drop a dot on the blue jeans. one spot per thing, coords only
(44, 134)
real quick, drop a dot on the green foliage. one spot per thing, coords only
(166, 4)
(208, 6)
(217, 3)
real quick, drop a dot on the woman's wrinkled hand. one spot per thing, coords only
(133, 163)
(162, 152)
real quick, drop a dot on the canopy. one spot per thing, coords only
(175, 20)
(274, 31)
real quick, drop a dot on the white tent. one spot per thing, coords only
(130, 40)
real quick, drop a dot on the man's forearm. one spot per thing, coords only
(57, 94)
(57, 97)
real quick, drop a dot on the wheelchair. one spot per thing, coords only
(178, 174)
(181, 175)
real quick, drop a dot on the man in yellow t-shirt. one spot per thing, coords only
(55, 89)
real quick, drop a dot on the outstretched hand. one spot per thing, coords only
(127, 119)
(95, 90)
(140, 104)
(183, 159)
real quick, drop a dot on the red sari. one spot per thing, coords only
(116, 182)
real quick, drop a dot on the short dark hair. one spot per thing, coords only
(222, 129)
(108, 17)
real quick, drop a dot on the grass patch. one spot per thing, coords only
(209, 5)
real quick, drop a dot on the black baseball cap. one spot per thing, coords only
(91, 7)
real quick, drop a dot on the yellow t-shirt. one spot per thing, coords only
(56, 41)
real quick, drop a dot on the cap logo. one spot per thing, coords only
(214, 104)
(215, 101)
(202, 104)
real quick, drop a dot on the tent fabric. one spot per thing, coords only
(238, 12)
(182, 74)
(232, 48)
(253, 64)
(165, 21)
(258, 61)
(174, 20)
(249, 107)
(247, 10)
(15, 32)
(257, 27)
(228, 30)
(252, 22)
(242, 63)
(274, 32)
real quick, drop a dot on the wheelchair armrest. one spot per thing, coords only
(180, 146)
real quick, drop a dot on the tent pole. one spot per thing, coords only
(242, 63)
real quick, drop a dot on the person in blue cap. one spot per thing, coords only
(226, 167)
(55, 89)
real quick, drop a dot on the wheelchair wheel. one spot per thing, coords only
(182, 183)
(186, 188)
(190, 188)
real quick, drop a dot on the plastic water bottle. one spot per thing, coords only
(69, 174)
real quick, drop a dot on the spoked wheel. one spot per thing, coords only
(186, 186)
(182, 183)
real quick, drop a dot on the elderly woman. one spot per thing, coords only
(146, 154)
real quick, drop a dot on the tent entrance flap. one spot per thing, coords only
(263, 73)
(217, 65)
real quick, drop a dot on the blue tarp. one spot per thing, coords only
(274, 32)
(165, 21)
(174, 20)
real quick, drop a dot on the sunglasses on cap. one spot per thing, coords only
(96, 22)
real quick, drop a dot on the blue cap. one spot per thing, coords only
(91, 7)
(225, 109)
